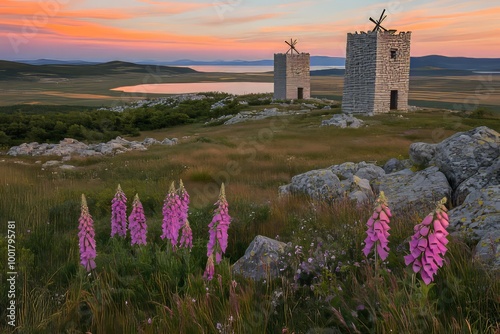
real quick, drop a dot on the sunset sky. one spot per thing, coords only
(136, 30)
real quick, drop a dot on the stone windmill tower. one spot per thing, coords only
(377, 71)
(292, 74)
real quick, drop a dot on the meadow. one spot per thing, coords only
(151, 289)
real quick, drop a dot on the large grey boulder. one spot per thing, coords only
(348, 179)
(421, 154)
(486, 176)
(318, 184)
(261, 259)
(488, 249)
(362, 169)
(395, 165)
(418, 191)
(463, 154)
(478, 215)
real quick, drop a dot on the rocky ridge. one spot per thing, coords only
(69, 147)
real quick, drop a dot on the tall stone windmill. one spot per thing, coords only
(292, 74)
(377, 70)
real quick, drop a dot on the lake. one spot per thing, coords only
(237, 88)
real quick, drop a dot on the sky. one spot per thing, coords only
(135, 30)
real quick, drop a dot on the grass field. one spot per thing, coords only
(152, 289)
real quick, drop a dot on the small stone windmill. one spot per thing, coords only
(292, 74)
(377, 70)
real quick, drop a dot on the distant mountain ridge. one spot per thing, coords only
(9, 70)
(451, 63)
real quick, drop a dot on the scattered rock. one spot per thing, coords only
(257, 115)
(261, 259)
(51, 163)
(150, 141)
(343, 121)
(67, 167)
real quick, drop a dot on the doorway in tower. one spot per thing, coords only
(300, 93)
(394, 99)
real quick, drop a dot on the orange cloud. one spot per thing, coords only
(244, 19)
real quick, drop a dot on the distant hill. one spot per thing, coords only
(428, 62)
(56, 62)
(315, 61)
(456, 63)
(13, 70)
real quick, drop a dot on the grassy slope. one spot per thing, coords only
(253, 158)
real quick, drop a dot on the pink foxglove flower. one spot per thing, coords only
(172, 216)
(217, 242)
(137, 223)
(186, 232)
(378, 229)
(86, 237)
(119, 214)
(428, 244)
(210, 268)
(186, 236)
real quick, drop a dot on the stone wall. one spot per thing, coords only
(291, 72)
(376, 64)
(392, 73)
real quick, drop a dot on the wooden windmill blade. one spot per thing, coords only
(382, 17)
(292, 44)
(378, 24)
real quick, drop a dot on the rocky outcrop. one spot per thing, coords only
(255, 115)
(261, 259)
(478, 215)
(68, 147)
(415, 190)
(463, 157)
(488, 249)
(464, 167)
(485, 176)
(478, 220)
(394, 165)
(343, 121)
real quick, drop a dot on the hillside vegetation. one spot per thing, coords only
(151, 289)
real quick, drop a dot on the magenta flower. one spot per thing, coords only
(137, 223)
(119, 214)
(186, 236)
(172, 216)
(378, 229)
(210, 268)
(217, 242)
(86, 237)
(186, 232)
(428, 244)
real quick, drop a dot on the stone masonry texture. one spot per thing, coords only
(291, 72)
(376, 63)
